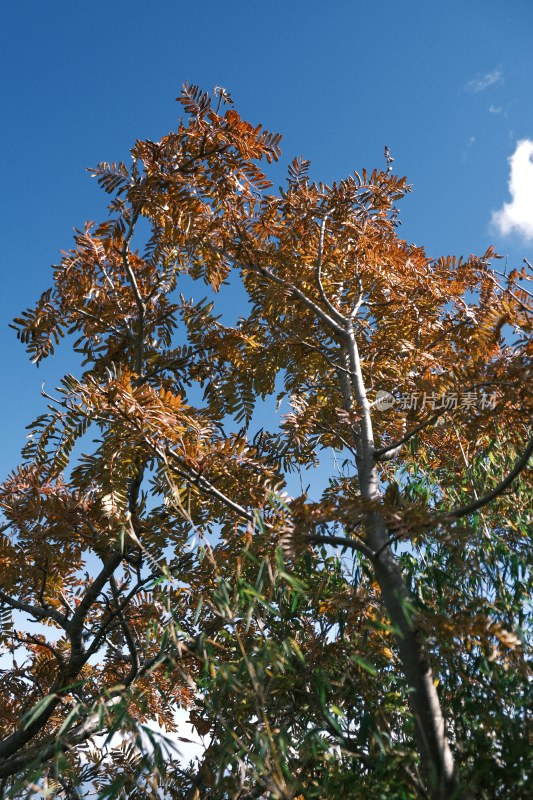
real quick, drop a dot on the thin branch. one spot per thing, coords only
(342, 440)
(397, 537)
(100, 321)
(46, 750)
(324, 355)
(108, 278)
(444, 334)
(216, 151)
(78, 657)
(465, 510)
(337, 316)
(141, 307)
(42, 589)
(195, 477)
(30, 638)
(342, 541)
(509, 291)
(386, 453)
(321, 314)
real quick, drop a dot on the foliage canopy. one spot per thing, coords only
(368, 640)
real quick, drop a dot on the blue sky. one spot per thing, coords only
(446, 85)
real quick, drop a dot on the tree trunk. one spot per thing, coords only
(430, 727)
(429, 722)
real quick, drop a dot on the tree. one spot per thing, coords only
(371, 641)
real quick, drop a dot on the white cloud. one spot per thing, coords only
(495, 109)
(482, 82)
(517, 216)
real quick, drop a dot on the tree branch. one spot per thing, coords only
(195, 477)
(386, 453)
(470, 508)
(342, 541)
(321, 314)
(141, 306)
(336, 315)
(78, 656)
(36, 612)
(128, 636)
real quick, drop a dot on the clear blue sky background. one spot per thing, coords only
(446, 85)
